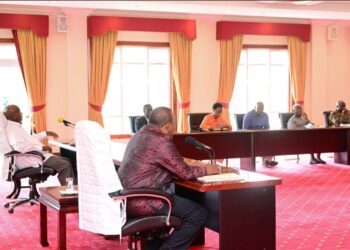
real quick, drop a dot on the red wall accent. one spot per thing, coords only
(226, 30)
(39, 24)
(98, 25)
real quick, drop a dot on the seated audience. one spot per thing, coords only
(151, 160)
(299, 120)
(215, 120)
(341, 115)
(258, 119)
(21, 141)
(143, 120)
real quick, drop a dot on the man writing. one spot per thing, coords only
(21, 141)
(215, 120)
(143, 120)
(151, 160)
(341, 115)
(258, 119)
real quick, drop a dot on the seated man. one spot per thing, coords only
(299, 120)
(21, 141)
(143, 120)
(215, 120)
(151, 160)
(341, 115)
(258, 119)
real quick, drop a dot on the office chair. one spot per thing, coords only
(101, 196)
(284, 118)
(132, 123)
(239, 121)
(35, 174)
(194, 121)
(326, 115)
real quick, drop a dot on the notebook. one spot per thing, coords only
(221, 177)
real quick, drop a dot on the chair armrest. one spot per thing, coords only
(30, 153)
(145, 192)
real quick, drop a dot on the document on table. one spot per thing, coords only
(221, 177)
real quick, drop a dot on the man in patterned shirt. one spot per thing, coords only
(151, 160)
(341, 115)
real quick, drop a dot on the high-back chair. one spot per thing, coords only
(102, 198)
(195, 120)
(132, 123)
(326, 115)
(239, 120)
(10, 172)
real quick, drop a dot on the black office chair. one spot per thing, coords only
(91, 140)
(284, 118)
(132, 123)
(326, 115)
(195, 120)
(35, 175)
(239, 120)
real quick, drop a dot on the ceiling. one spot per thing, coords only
(306, 10)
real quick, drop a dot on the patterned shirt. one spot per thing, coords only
(336, 118)
(253, 120)
(297, 122)
(151, 160)
(210, 122)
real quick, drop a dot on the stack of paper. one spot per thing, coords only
(221, 177)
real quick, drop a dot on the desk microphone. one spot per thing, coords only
(191, 140)
(201, 146)
(65, 122)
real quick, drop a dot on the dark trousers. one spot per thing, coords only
(193, 217)
(62, 166)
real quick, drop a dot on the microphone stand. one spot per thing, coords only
(210, 152)
(68, 124)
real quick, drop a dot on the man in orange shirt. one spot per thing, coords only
(214, 120)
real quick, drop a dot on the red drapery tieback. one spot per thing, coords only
(37, 108)
(95, 107)
(299, 102)
(184, 105)
(225, 105)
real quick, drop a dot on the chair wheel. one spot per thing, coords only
(32, 203)
(11, 211)
(7, 205)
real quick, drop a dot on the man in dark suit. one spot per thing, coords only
(143, 120)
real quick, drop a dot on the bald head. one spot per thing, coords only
(160, 116)
(298, 110)
(259, 107)
(13, 113)
(340, 105)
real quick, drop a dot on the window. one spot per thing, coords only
(12, 87)
(262, 75)
(140, 75)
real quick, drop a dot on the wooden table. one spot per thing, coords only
(51, 197)
(243, 213)
(248, 144)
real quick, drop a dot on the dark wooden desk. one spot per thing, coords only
(243, 213)
(252, 143)
(51, 197)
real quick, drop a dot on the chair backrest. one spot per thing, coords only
(98, 213)
(239, 120)
(195, 120)
(284, 118)
(4, 147)
(132, 123)
(326, 114)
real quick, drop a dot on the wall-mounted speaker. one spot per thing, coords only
(332, 33)
(62, 23)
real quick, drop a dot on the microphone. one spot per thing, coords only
(65, 122)
(201, 146)
(191, 140)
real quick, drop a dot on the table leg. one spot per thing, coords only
(43, 225)
(61, 230)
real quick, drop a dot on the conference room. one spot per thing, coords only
(64, 63)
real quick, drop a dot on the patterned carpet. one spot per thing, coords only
(313, 212)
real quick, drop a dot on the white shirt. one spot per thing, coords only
(21, 141)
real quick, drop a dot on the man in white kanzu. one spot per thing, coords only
(21, 141)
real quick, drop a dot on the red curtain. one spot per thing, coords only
(15, 38)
